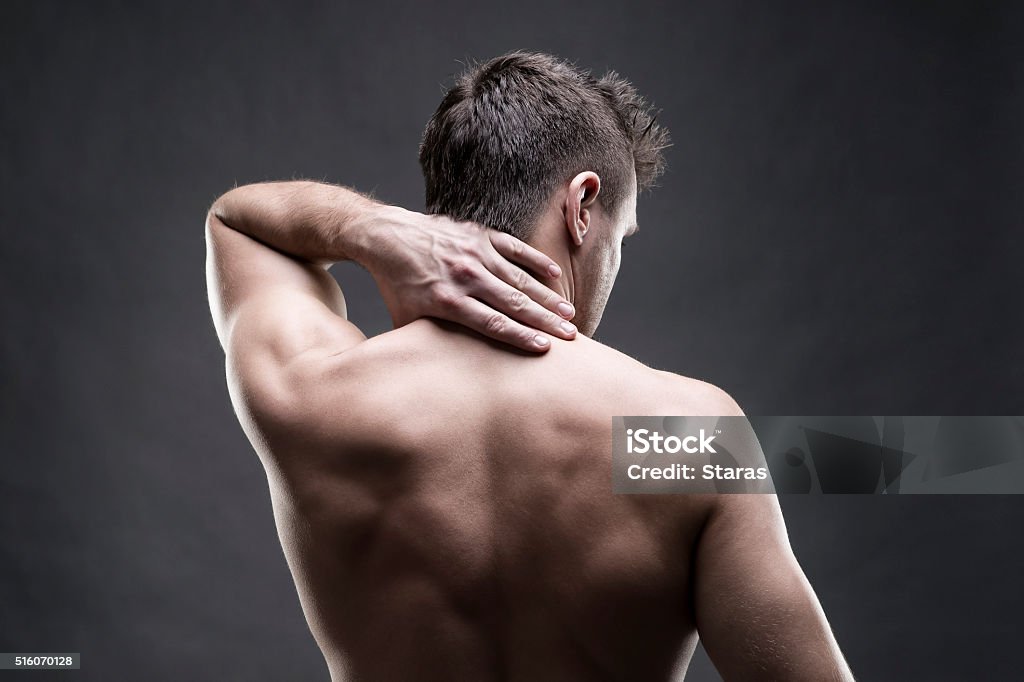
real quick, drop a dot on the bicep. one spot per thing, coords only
(756, 612)
(264, 300)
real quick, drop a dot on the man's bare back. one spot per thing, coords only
(455, 521)
(445, 501)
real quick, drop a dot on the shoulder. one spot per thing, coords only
(667, 392)
(318, 404)
(699, 398)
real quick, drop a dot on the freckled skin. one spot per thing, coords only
(447, 514)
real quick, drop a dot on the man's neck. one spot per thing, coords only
(550, 243)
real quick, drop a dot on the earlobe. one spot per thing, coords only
(577, 221)
(577, 225)
(583, 224)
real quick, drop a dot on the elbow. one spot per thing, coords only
(213, 228)
(225, 208)
(218, 210)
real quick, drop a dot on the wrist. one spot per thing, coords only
(375, 234)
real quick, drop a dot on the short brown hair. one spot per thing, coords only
(514, 128)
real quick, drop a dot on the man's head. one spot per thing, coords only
(531, 145)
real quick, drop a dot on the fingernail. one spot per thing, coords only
(569, 328)
(566, 309)
(541, 341)
(554, 270)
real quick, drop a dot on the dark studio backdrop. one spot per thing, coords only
(839, 233)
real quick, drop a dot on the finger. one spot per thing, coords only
(524, 282)
(521, 308)
(523, 254)
(480, 317)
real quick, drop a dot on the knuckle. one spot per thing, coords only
(495, 323)
(446, 298)
(462, 271)
(472, 248)
(521, 279)
(517, 300)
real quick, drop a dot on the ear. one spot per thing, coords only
(583, 191)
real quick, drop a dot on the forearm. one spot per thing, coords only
(424, 265)
(313, 221)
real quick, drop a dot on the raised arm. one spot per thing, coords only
(756, 613)
(269, 245)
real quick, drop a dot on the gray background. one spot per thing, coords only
(839, 233)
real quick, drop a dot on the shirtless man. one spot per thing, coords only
(442, 491)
